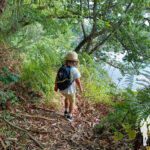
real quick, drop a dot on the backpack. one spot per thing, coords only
(63, 78)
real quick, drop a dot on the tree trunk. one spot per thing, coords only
(21, 2)
(2, 6)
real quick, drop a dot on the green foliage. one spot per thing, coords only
(129, 79)
(42, 42)
(143, 94)
(118, 136)
(4, 98)
(38, 68)
(145, 81)
(128, 113)
(19, 15)
(44, 32)
(143, 97)
(122, 28)
(41, 55)
(7, 79)
(96, 82)
(130, 132)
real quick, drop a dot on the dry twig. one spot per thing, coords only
(38, 131)
(37, 107)
(33, 116)
(19, 128)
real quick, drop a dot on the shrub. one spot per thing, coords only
(97, 84)
(7, 79)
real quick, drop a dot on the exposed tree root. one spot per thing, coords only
(19, 128)
(40, 132)
(37, 107)
(30, 116)
(3, 144)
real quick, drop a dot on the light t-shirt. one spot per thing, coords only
(75, 74)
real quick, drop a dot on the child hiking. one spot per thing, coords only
(68, 77)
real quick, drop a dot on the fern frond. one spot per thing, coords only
(146, 71)
(142, 84)
(129, 79)
(145, 81)
(146, 75)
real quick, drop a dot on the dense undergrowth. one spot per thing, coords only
(41, 46)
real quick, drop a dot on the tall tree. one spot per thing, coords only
(106, 25)
(120, 24)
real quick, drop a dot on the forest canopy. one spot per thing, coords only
(100, 26)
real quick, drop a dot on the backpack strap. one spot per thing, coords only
(65, 81)
(62, 81)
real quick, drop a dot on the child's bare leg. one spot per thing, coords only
(66, 103)
(72, 102)
(66, 106)
(71, 108)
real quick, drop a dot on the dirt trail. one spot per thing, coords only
(51, 129)
(77, 134)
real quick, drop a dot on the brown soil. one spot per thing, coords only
(51, 129)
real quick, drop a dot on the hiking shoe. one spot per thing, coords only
(69, 118)
(66, 113)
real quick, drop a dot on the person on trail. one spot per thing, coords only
(66, 82)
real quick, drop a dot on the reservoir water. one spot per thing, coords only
(120, 80)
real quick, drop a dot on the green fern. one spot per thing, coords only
(97, 83)
(129, 80)
(145, 80)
